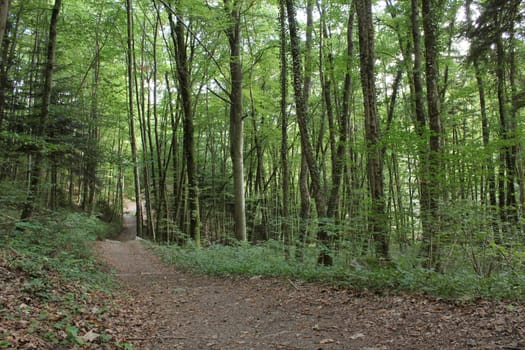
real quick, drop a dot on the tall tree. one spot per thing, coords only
(301, 111)
(233, 32)
(431, 243)
(184, 79)
(131, 110)
(284, 128)
(344, 122)
(4, 10)
(377, 216)
(41, 127)
(485, 130)
(305, 213)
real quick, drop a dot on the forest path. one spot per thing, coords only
(172, 309)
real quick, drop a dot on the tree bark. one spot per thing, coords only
(306, 146)
(344, 124)
(133, 142)
(431, 241)
(184, 79)
(378, 219)
(4, 11)
(285, 227)
(233, 9)
(305, 212)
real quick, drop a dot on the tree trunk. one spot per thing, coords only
(344, 123)
(285, 227)
(4, 11)
(306, 146)
(184, 78)
(378, 219)
(431, 242)
(485, 132)
(40, 130)
(133, 142)
(233, 8)
(304, 191)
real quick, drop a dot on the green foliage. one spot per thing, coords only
(404, 274)
(53, 256)
(60, 244)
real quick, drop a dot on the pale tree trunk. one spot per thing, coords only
(40, 130)
(233, 9)
(133, 142)
(378, 220)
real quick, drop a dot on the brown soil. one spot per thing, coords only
(173, 309)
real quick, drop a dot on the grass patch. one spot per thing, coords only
(52, 291)
(403, 275)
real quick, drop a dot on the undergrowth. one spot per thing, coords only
(53, 293)
(404, 274)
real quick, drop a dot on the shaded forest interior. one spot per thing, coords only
(348, 132)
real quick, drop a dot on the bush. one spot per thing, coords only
(404, 274)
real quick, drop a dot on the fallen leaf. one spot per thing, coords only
(327, 341)
(357, 336)
(90, 336)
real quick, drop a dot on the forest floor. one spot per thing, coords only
(174, 309)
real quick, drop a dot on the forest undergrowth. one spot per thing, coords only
(53, 292)
(460, 283)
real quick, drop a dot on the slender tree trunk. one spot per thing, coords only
(485, 132)
(431, 242)
(92, 156)
(344, 123)
(302, 116)
(233, 8)
(133, 142)
(4, 11)
(420, 121)
(40, 130)
(512, 164)
(285, 227)
(304, 190)
(184, 78)
(7, 57)
(377, 214)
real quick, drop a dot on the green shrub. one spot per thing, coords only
(404, 274)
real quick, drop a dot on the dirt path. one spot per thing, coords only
(177, 310)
